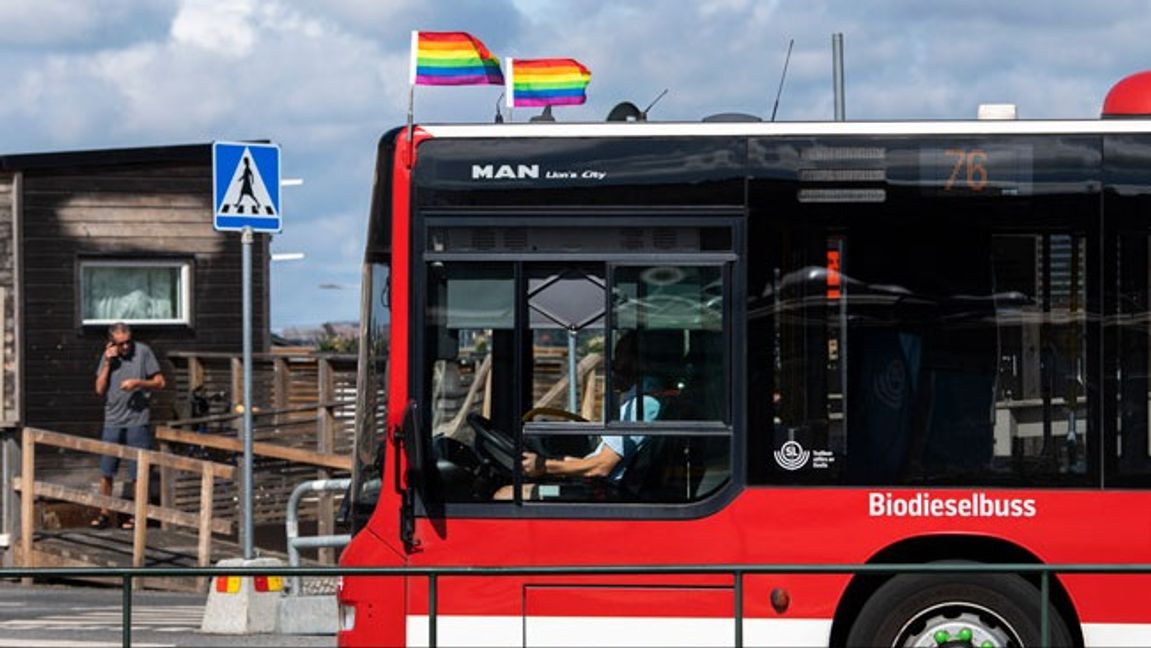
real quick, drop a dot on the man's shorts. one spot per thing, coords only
(133, 436)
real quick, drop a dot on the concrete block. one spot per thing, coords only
(308, 615)
(240, 609)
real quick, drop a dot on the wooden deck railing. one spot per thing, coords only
(270, 426)
(259, 448)
(301, 400)
(203, 521)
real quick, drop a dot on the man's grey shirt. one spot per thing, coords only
(129, 408)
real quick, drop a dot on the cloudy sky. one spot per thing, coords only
(326, 78)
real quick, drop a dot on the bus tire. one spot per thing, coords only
(911, 609)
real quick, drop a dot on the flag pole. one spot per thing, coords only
(411, 122)
(510, 89)
(412, 95)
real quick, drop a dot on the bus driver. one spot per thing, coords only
(614, 454)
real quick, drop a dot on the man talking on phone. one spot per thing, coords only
(127, 372)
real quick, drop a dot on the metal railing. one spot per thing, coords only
(292, 525)
(737, 572)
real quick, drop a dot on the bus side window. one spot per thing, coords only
(1134, 359)
(919, 364)
(676, 315)
(469, 333)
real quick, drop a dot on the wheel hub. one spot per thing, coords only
(957, 625)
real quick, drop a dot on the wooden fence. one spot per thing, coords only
(303, 413)
(203, 520)
(303, 428)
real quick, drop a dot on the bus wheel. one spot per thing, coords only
(958, 610)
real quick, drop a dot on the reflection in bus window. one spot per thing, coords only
(1133, 445)
(1041, 317)
(675, 314)
(901, 363)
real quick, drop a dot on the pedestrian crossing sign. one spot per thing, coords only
(246, 187)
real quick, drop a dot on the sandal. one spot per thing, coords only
(128, 524)
(100, 522)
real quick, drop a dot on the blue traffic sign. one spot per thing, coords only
(246, 187)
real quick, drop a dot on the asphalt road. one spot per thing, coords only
(56, 616)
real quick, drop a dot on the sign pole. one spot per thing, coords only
(246, 485)
(246, 192)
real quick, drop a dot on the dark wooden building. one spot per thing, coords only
(92, 237)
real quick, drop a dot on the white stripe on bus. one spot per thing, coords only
(790, 129)
(589, 631)
(484, 631)
(1116, 634)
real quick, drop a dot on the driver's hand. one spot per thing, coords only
(533, 465)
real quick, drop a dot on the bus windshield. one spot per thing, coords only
(600, 377)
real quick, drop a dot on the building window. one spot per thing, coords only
(135, 291)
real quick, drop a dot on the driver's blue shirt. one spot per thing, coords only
(628, 446)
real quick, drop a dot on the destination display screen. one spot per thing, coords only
(976, 169)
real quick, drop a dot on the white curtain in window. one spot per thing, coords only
(127, 293)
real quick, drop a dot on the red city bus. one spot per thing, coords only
(753, 343)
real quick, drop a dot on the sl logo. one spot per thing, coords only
(791, 456)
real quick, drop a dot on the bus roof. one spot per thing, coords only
(789, 129)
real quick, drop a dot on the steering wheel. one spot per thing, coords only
(553, 412)
(495, 447)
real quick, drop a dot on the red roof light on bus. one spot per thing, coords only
(1131, 97)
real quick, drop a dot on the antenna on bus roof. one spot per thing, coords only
(499, 115)
(627, 111)
(783, 76)
(652, 104)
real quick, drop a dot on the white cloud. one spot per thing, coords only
(305, 77)
(369, 12)
(711, 7)
(219, 26)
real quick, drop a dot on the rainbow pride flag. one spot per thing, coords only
(547, 82)
(452, 58)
